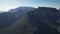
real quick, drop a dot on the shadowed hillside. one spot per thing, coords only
(10, 17)
(38, 21)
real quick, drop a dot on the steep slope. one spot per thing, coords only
(39, 21)
(21, 11)
(45, 20)
(8, 18)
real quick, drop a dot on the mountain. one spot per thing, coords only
(25, 9)
(44, 18)
(39, 21)
(8, 18)
(21, 11)
(59, 9)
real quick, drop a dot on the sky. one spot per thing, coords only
(6, 5)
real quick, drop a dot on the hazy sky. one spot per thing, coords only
(8, 4)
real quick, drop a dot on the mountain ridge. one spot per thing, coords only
(34, 20)
(13, 15)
